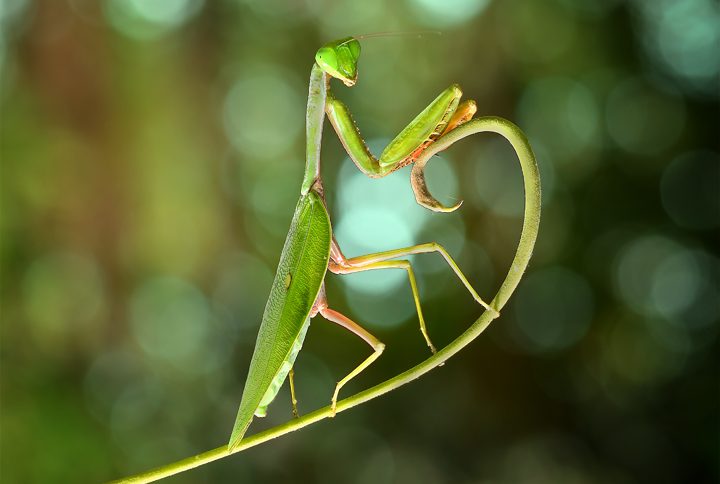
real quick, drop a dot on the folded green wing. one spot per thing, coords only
(300, 274)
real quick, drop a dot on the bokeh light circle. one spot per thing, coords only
(682, 37)
(554, 308)
(562, 115)
(448, 12)
(170, 320)
(534, 33)
(498, 179)
(365, 230)
(63, 298)
(643, 120)
(145, 20)
(263, 112)
(659, 277)
(689, 189)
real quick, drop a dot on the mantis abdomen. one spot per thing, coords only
(299, 277)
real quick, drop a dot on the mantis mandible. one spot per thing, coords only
(298, 290)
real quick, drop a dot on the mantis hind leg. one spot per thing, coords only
(291, 377)
(350, 325)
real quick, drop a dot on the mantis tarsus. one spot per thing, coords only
(310, 250)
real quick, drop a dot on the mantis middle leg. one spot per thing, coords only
(293, 399)
(339, 264)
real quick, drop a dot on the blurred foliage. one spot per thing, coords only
(152, 154)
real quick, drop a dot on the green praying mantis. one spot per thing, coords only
(310, 251)
(298, 293)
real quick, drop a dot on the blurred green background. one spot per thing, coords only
(152, 153)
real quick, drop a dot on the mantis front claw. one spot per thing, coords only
(442, 116)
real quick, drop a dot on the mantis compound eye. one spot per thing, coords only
(339, 59)
(422, 194)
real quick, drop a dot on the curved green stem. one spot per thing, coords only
(528, 236)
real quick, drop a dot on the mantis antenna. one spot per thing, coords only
(407, 33)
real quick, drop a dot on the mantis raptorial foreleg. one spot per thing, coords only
(443, 115)
(377, 346)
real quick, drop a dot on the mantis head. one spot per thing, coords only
(339, 59)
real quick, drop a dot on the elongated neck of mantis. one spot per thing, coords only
(314, 120)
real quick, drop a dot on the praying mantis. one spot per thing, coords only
(310, 251)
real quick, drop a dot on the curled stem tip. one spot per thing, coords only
(422, 195)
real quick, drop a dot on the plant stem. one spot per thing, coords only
(531, 221)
